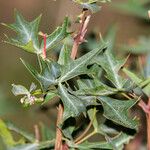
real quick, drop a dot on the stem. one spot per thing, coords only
(86, 137)
(37, 133)
(44, 48)
(79, 38)
(58, 142)
(146, 109)
(87, 129)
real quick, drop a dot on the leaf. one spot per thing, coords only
(6, 135)
(144, 84)
(49, 96)
(79, 66)
(133, 7)
(25, 134)
(73, 105)
(91, 6)
(50, 71)
(19, 90)
(33, 146)
(97, 91)
(57, 36)
(112, 67)
(140, 46)
(116, 142)
(27, 33)
(46, 133)
(117, 111)
(64, 56)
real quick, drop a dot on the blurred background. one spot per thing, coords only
(130, 26)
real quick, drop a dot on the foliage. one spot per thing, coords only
(90, 86)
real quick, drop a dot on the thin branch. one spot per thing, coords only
(37, 133)
(86, 137)
(44, 48)
(79, 38)
(87, 129)
(146, 109)
(58, 142)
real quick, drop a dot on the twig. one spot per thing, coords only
(146, 109)
(86, 137)
(44, 48)
(58, 142)
(37, 133)
(79, 38)
(87, 129)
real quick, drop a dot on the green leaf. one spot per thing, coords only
(57, 36)
(27, 33)
(112, 67)
(6, 135)
(91, 6)
(117, 111)
(144, 84)
(133, 7)
(49, 96)
(25, 134)
(46, 133)
(79, 66)
(140, 46)
(97, 91)
(19, 90)
(33, 146)
(64, 56)
(116, 142)
(49, 73)
(73, 106)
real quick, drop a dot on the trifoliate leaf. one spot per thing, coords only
(117, 111)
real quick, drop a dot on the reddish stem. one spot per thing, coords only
(146, 109)
(58, 143)
(44, 48)
(79, 38)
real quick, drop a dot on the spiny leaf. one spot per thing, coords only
(117, 111)
(73, 105)
(79, 66)
(144, 84)
(112, 67)
(50, 71)
(27, 33)
(57, 36)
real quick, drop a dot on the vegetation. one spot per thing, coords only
(96, 87)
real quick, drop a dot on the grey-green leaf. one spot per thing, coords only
(117, 111)
(79, 66)
(27, 33)
(73, 106)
